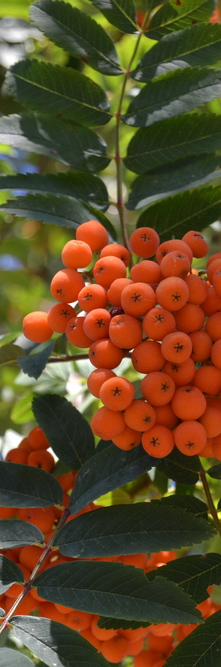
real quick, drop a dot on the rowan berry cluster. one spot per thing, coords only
(141, 644)
(159, 312)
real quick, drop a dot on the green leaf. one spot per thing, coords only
(122, 590)
(188, 503)
(53, 89)
(172, 179)
(60, 140)
(106, 471)
(17, 533)
(120, 13)
(80, 186)
(68, 432)
(173, 94)
(201, 648)
(110, 623)
(51, 209)
(176, 16)
(112, 531)
(9, 573)
(172, 140)
(11, 658)
(9, 337)
(182, 469)
(192, 573)
(76, 32)
(198, 45)
(9, 353)
(55, 644)
(179, 213)
(27, 486)
(34, 364)
(215, 471)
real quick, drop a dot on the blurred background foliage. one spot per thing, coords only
(29, 250)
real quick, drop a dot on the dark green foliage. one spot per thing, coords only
(34, 364)
(11, 658)
(9, 573)
(68, 432)
(201, 648)
(192, 573)
(18, 533)
(182, 469)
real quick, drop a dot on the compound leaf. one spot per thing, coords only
(178, 15)
(193, 573)
(51, 209)
(120, 13)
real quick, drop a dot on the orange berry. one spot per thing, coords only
(175, 263)
(217, 282)
(37, 439)
(96, 323)
(162, 629)
(115, 290)
(78, 620)
(213, 326)
(16, 455)
(92, 296)
(76, 254)
(211, 420)
(144, 242)
(147, 658)
(88, 635)
(48, 610)
(216, 255)
(165, 415)
(75, 332)
(188, 402)
(135, 647)
(25, 445)
(202, 345)
(59, 315)
(97, 378)
(158, 322)
(147, 357)
(216, 447)
(198, 289)
(114, 649)
(27, 605)
(208, 379)
(101, 633)
(170, 246)
(36, 328)
(125, 331)
(158, 388)
(181, 373)
(190, 437)
(134, 635)
(62, 609)
(158, 441)
(207, 451)
(41, 459)
(146, 271)
(197, 243)
(172, 293)
(107, 269)
(42, 517)
(116, 250)
(212, 302)
(7, 512)
(216, 354)
(104, 354)
(128, 439)
(140, 415)
(29, 555)
(137, 560)
(117, 393)
(166, 642)
(66, 284)
(189, 318)
(93, 233)
(137, 299)
(212, 267)
(106, 423)
(176, 347)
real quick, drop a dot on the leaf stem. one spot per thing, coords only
(209, 498)
(118, 157)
